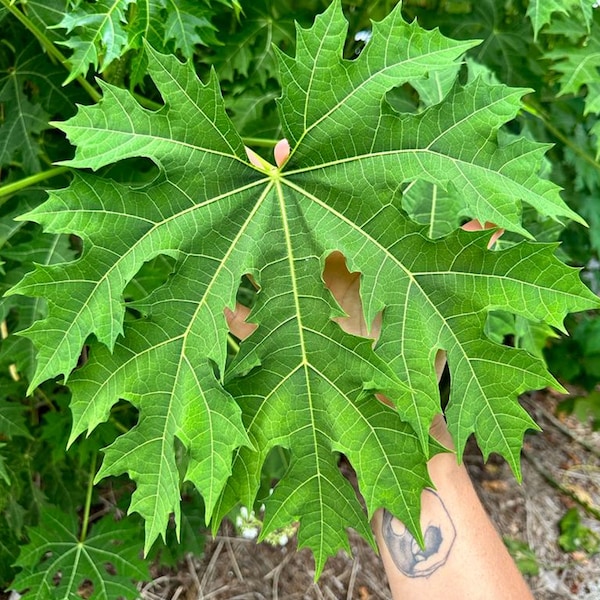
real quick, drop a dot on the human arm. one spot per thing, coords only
(464, 557)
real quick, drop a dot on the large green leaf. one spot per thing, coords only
(299, 381)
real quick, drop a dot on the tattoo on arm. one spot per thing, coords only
(439, 535)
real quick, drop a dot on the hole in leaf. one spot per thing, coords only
(152, 274)
(403, 99)
(345, 288)
(135, 172)
(274, 468)
(444, 387)
(125, 414)
(247, 291)
(245, 300)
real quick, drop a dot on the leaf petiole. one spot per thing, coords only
(558, 134)
(12, 188)
(88, 501)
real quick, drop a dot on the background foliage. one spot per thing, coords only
(58, 54)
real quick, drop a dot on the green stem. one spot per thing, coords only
(558, 134)
(118, 425)
(12, 188)
(50, 48)
(260, 142)
(88, 501)
(232, 343)
(146, 102)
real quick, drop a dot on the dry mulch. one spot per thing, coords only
(566, 454)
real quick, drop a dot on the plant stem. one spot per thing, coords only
(260, 142)
(88, 501)
(558, 134)
(232, 343)
(146, 102)
(118, 425)
(12, 368)
(50, 47)
(12, 188)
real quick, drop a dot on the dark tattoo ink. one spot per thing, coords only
(408, 556)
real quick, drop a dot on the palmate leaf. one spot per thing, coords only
(265, 24)
(299, 381)
(541, 12)
(578, 67)
(57, 564)
(98, 34)
(21, 124)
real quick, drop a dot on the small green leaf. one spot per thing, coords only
(56, 563)
(98, 34)
(574, 535)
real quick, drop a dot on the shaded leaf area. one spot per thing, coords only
(299, 382)
(101, 34)
(249, 50)
(21, 246)
(31, 93)
(57, 562)
(507, 46)
(543, 12)
(578, 67)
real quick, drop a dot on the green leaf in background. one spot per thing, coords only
(574, 535)
(12, 419)
(299, 382)
(56, 563)
(22, 122)
(98, 34)
(508, 47)
(103, 31)
(579, 67)
(188, 24)
(542, 12)
(266, 23)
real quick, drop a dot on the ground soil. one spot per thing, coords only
(561, 469)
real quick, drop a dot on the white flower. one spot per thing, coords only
(249, 533)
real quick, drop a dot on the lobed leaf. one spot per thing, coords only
(56, 563)
(299, 381)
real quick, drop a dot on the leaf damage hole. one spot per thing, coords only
(245, 300)
(135, 172)
(345, 288)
